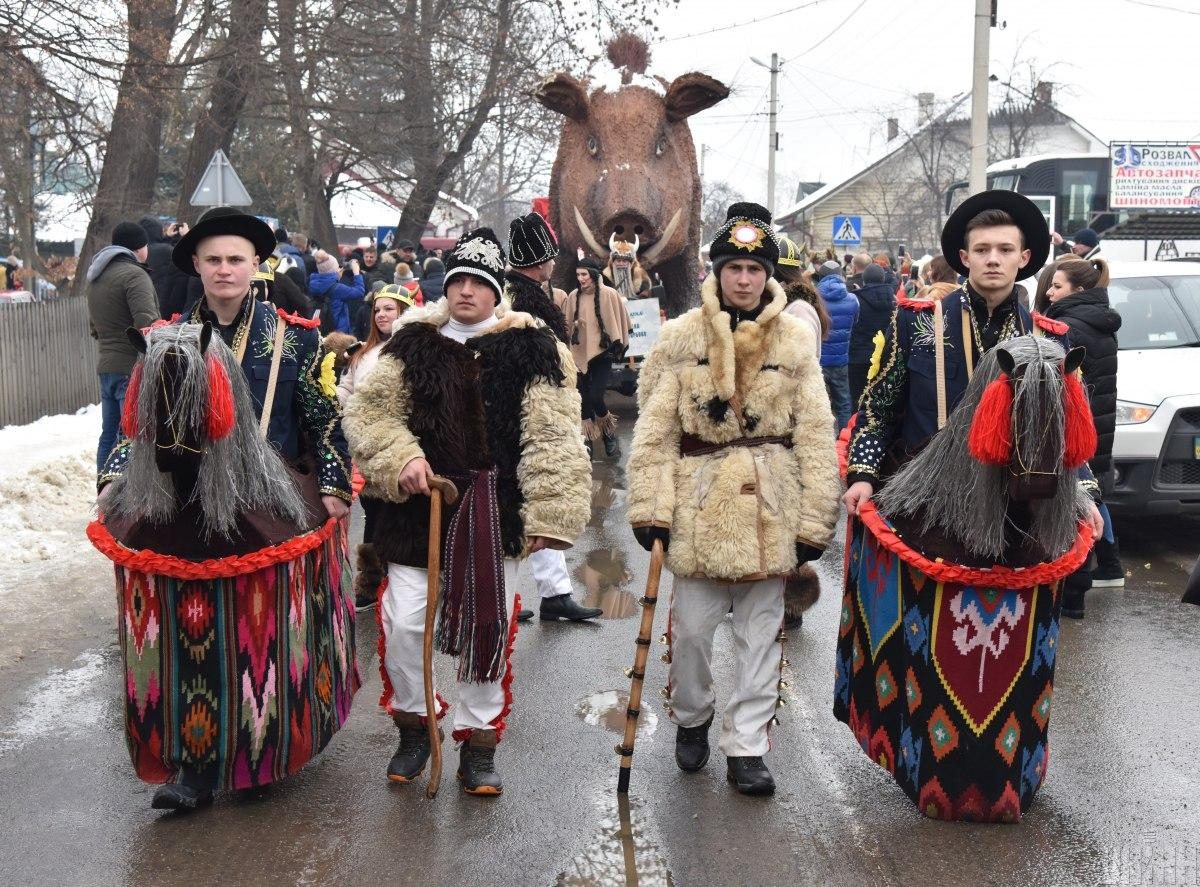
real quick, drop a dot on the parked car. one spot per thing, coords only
(1156, 449)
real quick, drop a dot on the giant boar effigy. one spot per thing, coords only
(626, 165)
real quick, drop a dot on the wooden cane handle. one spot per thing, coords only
(445, 486)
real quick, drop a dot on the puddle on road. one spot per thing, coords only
(605, 574)
(607, 710)
(622, 853)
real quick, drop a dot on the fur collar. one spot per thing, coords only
(437, 315)
(725, 346)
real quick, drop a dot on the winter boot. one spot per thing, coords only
(608, 431)
(413, 752)
(477, 764)
(524, 615)
(369, 574)
(801, 590)
(691, 746)
(1072, 605)
(183, 796)
(750, 775)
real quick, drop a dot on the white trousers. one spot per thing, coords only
(402, 614)
(550, 572)
(698, 606)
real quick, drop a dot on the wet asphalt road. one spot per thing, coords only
(1121, 804)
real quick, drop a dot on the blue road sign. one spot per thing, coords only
(847, 230)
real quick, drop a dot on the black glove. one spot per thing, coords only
(806, 552)
(646, 536)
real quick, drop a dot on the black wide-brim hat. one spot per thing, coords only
(1023, 211)
(223, 220)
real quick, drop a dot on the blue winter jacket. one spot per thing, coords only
(334, 296)
(843, 311)
(876, 302)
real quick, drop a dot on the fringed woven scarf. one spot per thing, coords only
(472, 617)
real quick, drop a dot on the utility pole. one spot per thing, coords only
(703, 159)
(773, 135)
(985, 18)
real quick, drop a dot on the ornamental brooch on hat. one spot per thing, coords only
(746, 235)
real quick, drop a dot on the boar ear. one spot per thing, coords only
(564, 95)
(691, 93)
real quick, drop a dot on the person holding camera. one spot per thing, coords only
(338, 293)
(598, 330)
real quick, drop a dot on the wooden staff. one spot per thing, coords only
(638, 674)
(440, 490)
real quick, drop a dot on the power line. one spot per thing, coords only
(753, 21)
(837, 28)
(1165, 6)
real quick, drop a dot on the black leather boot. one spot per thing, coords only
(477, 764)
(413, 752)
(563, 606)
(750, 775)
(524, 615)
(612, 446)
(187, 794)
(691, 746)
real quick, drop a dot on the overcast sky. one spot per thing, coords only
(1125, 70)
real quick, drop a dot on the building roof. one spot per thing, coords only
(1156, 226)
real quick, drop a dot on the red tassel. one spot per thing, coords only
(1079, 442)
(990, 441)
(130, 409)
(220, 401)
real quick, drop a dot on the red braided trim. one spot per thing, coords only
(843, 445)
(989, 577)
(500, 721)
(146, 561)
(914, 304)
(357, 481)
(298, 320)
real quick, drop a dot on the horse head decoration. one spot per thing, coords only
(999, 481)
(194, 438)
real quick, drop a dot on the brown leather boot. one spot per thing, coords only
(413, 752)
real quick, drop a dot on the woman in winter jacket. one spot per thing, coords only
(1077, 295)
(327, 289)
(842, 306)
(876, 303)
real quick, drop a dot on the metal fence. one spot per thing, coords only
(47, 360)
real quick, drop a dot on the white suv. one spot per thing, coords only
(1156, 449)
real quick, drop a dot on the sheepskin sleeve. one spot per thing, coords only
(813, 449)
(554, 472)
(375, 422)
(655, 451)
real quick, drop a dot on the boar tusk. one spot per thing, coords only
(653, 253)
(588, 237)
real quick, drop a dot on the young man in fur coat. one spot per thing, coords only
(733, 469)
(467, 389)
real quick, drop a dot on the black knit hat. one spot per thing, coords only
(530, 242)
(746, 234)
(479, 254)
(223, 220)
(130, 235)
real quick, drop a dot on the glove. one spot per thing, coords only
(806, 552)
(646, 536)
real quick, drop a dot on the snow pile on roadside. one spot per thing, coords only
(47, 484)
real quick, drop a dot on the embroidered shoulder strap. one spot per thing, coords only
(968, 347)
(939, 351)
(264, 421)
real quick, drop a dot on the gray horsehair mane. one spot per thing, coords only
(966, 499)
(239, 473)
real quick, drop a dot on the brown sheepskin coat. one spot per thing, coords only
(506, 399)
(735, 514)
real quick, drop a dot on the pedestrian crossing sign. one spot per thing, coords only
(847, 230)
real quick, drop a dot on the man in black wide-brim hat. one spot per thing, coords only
(224, 249)
(993, 238)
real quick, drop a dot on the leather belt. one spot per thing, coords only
(691, 445)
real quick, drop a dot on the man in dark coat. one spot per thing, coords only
(532, 249)
(119, 296)
(170, 284)
(876, 302)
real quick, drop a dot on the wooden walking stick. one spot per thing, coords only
(638, 674)
(440, 490)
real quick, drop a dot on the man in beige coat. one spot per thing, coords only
(733, 470)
